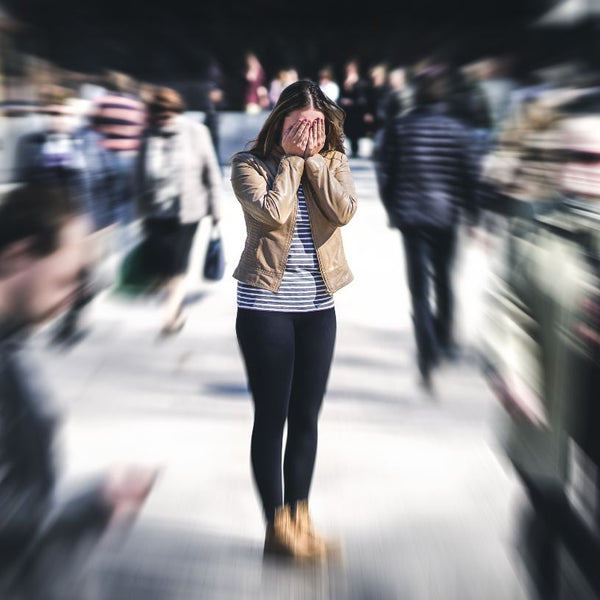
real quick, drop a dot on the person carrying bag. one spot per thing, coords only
(180, 183)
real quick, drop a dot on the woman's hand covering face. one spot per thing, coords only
(316, 138)
(295, 138)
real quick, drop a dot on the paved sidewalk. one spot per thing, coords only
(412, 485)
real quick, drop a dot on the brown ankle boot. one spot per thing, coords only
(283, 539)
(305, 528)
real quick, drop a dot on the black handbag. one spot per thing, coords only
(214, 261)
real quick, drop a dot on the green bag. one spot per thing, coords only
(134, 276)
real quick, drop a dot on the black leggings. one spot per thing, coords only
(287, 358)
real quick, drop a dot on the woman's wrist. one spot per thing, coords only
(314, 159)
(293, 152)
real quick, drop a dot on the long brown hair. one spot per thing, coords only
(297, 96)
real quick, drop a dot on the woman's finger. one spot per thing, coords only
(303, 128)
(287, 133)
(293, 130)
(322, 128)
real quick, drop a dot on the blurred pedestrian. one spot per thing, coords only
(280, 82)
(179, 182)
(396, 101)
(399, 95)
(495, 77)
(43, 250)
(377, 93)
(57, 155)
(426, 179)
(542, 337)
(119, 116)
(256, 95)
(296, 192)
(214, 101)
(53, 154)
(470, 104)
(353, 99)
(328, 84)
(205, 94)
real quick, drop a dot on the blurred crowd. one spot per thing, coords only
(517, 155)
(520, 157)
(141, 169)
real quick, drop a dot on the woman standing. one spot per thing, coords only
(296, 191)
(180, 182)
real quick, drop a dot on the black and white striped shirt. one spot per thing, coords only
(302, 288)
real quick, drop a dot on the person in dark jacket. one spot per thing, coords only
(353, 99)
(426, 179)
(43, 241)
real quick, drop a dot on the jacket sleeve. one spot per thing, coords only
(211, 173)
(334, 193)
(270, 205)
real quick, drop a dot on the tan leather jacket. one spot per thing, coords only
(267, 191)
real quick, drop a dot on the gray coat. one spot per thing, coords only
(201, 177)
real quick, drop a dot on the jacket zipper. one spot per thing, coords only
(313, 239)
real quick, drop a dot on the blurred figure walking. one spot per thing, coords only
(54, 153)
(397, 101)
(256, 95)
(425, 178)
(120, 118)
(57, 155)
(179, 182)
(399, 95)
(541, 339)
(328, 84)
(44, 541)
(296, 191)
(377, 91)
(284, 78)
(353, 99)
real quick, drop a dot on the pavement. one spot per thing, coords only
(413, 485)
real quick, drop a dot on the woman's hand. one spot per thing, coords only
(316, 138)
(294, 139)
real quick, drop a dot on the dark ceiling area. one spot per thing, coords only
(157, 40)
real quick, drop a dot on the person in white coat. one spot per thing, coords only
(179, 183)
